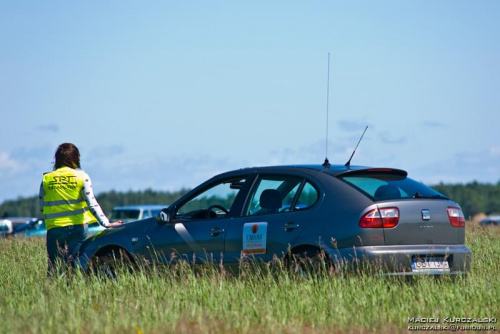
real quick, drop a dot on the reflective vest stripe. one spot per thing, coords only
(63, 202)
(65, 213)
(63, 208)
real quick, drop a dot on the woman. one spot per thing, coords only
(68, 205)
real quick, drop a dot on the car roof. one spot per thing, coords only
(334, 170)
(141, 206)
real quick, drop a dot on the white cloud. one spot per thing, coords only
(17, 177)
(106, 151)
(388, 138)
(431, 124)
(495, 151)
(349, 125)
(54, 128)
(7, 163)
(463, 167)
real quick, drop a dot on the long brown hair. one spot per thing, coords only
(67, 154)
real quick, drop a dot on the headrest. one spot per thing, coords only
(270, 199)
(387, 192)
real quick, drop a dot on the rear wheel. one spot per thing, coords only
(309, 262)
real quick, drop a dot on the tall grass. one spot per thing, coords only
(180, 300)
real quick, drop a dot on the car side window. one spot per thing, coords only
(214, 202)
(276, 194)
(308, 196)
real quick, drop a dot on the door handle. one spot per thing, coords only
(215, 231)
(290, 226)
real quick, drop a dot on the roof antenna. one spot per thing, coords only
(348, 163)
(326, 164)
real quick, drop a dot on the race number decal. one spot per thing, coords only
(254, 238)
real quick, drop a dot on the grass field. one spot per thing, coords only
(179, 301)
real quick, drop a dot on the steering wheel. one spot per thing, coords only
(215, 206)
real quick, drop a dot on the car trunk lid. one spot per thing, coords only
(422, 222)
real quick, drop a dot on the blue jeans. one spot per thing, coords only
(63, 244)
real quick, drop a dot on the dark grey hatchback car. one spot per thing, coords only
(352, 214)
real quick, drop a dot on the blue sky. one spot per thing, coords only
(164, 94)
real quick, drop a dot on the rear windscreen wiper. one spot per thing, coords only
(419, 195)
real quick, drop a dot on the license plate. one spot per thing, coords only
(430, 264)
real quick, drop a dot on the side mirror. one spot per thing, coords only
(164, 216)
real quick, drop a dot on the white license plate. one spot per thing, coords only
(430, 264)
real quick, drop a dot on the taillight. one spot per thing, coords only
(380, 218)
(456, 216)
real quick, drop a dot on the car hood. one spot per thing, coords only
(116, 235)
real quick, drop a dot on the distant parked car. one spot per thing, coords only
(136, 212)
(5, 227)
(39, 230)
(490, 220)
(15, 225)
(36, 229)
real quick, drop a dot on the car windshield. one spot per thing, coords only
(125, 214)
(381, 187)
(220, 196)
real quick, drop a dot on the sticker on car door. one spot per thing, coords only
(255, 238)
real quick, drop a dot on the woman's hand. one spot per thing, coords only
(116, 223)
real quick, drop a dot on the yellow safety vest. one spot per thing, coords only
(63, 202)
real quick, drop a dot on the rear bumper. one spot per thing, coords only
(397, 260)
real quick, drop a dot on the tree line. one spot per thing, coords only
(30, 207)
(474, 198)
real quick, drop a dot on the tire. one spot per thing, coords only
(309, 262)
(110, 263)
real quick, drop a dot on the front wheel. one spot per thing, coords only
(110, 263)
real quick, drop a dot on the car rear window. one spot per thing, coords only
(386, 186)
